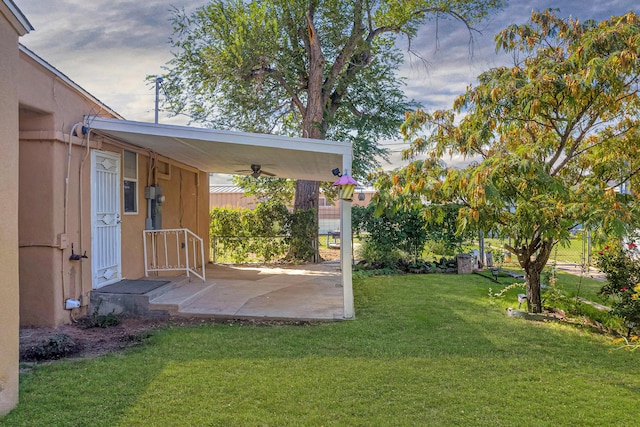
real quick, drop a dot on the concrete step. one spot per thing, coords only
(179, 296)
(174, 282)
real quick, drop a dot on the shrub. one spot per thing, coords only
(380, 256)
(437, 248)
(621, 266)
(442, 229)
(267, 232)
(242, 233)
(391, 235)
(103, 320)
(56, 347)
(97, 320)
(301, 230)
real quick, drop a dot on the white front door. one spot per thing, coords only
(105, 218)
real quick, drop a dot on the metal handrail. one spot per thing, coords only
(162, 241)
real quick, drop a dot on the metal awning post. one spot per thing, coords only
(346, 254)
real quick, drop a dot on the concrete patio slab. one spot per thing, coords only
(309, 292)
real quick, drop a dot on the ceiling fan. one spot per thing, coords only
(256, 171)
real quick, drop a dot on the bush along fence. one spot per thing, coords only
(265, 234)
(621, 265)
(404, 239)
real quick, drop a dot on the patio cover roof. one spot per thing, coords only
(230, 152)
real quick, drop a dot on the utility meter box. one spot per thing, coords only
(149, 192)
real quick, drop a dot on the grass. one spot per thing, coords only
(573, 285)
(424, 350)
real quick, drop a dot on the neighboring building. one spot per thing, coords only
(13, 24)
(329, 213)
(82, 207)
(231, 196)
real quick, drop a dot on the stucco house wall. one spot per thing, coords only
(12, 25)
(56, 189)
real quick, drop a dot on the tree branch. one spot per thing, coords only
(279, 77)
(357, 31)
(627, 178)
(565, 136)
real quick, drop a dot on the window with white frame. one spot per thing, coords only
(130, 175)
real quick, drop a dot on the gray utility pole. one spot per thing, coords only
(158, 81)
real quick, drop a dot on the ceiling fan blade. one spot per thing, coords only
(255, 171)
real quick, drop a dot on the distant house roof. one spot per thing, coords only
(17, 19)
(225, 189)
(234, 189)
(68, 81)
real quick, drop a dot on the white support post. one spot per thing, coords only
(346, 255)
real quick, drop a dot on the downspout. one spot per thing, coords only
(148, 224)
(198, 204)
(80, 202)
(66, 216)
(66, 180)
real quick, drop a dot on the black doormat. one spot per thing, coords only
(137, 287)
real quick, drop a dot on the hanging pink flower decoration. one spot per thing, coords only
(347, 186)
(345, 180)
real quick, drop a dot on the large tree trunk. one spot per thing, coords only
(533, 258)
(307, 192)
(534, 298)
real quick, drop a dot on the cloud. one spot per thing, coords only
(106, 47)
(101, 24)
(109, 46)
(452, 60)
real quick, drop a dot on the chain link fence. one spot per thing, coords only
(577, 255)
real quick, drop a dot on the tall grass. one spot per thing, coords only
(424, 350)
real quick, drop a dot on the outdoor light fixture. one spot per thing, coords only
(494, 272)
(347, 185)
(336, 172)
(361, 195)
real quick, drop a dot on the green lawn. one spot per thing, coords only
(424, 351)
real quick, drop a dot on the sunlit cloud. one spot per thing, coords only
(110, 47)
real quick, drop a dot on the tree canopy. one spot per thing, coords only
(554, 139)
(321, 69)
(324, 69)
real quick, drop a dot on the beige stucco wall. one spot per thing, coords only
(42, 262)
(8, 212)
(47, 230)
(49, 109)
(186, 205)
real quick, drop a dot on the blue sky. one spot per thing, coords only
(109, 46)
